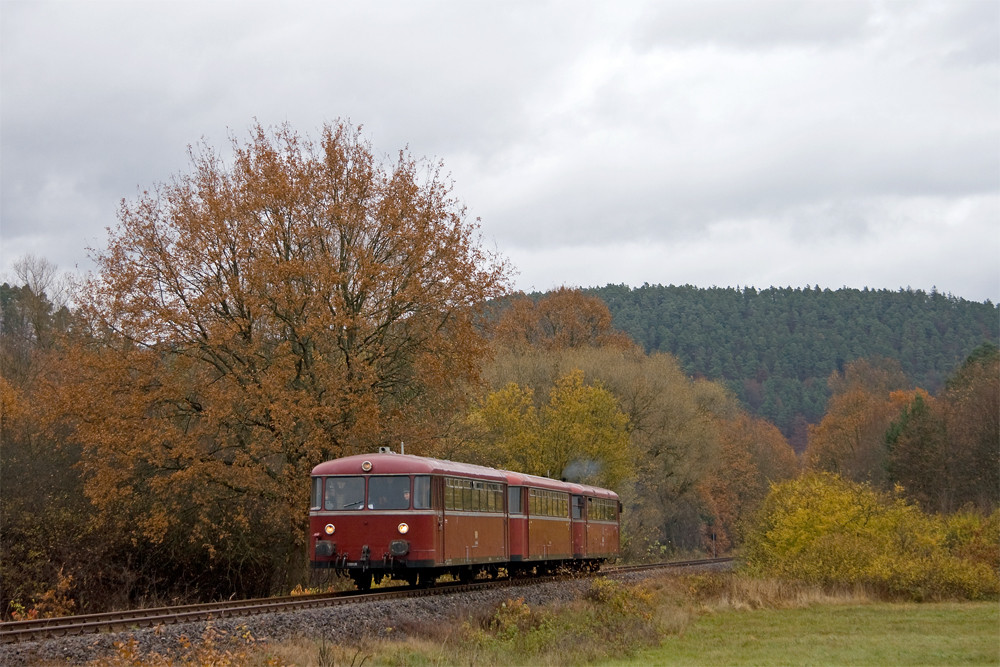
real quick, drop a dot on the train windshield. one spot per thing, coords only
(345, 493)
(317, 493)
(388, 493)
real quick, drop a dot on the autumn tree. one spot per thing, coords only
(942, 451)
(752, 455)
(876, 375)
(503, 431)
(42, 506)
(673, 427)
(291, 302)
(585, 433)
(676, 428)
(826, 530)
(972, 399)
(32, 312)
(580, 434)
(561, 319)
(945, 451)
(918, 458)
(850, 440)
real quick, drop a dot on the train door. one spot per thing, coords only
(517, 524)
(437, 503)
(506, 523)
(579, 520)
(461, 504)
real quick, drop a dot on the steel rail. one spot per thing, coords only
(65, 626)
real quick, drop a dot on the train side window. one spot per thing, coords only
(577, 507)
(479, 496)
(449, 493)
(597, 510)
(496, 497)
(344, 493)
(421, 492)
(458, 494)
(601, 509)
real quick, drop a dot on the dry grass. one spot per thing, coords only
(612, 620)
(739, 592)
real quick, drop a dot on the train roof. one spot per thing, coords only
(524, 479)
(596, 491)
(406, 464)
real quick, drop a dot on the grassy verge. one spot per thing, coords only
(875, 634)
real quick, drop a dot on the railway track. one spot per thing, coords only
(67, 626)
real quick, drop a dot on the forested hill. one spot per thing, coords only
(776, 347)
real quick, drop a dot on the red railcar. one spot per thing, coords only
(416, 518)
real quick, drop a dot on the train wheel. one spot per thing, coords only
(363, 580)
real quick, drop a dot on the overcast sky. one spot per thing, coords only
(711, 143)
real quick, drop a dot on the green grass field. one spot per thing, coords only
(872, 634)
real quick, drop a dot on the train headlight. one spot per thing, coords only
(403, 528)
(329, 529)
(399, 548)
(366, 466)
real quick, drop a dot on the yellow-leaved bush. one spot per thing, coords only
(823, 529)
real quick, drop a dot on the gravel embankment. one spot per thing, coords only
(341, 624)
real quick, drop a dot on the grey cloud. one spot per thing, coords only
(652, 123)
(746, 25)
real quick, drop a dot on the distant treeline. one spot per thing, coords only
(776, 347)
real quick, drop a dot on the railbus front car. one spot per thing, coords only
(407, 517)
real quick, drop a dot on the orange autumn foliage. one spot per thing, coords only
(562, 319)
(290, 303)
(850, 439)
(752, 455)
